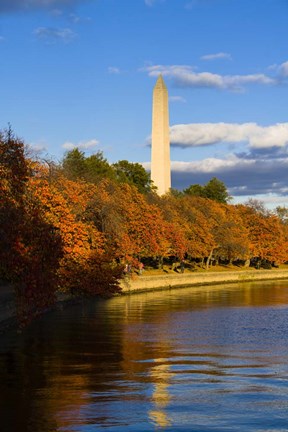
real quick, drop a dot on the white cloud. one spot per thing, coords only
(283, 69)
(251, 177)
(82, 145)
(177, 99)
(210, 165)
(185, 76)
(220, 55)
(113, 70)
(51, 34)
(38, 147)
(199, 134)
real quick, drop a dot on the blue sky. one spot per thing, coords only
(81, 73)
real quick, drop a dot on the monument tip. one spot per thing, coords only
(160, 81)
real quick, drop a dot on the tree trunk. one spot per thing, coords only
(209, 259)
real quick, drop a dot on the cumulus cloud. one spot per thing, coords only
(220, 55)
(210, 165)
(26, 5)
(201, 134)
(283, 70)
(82, 145)
(50, 34)
(242, 177)
(186, 76)
(258, 178)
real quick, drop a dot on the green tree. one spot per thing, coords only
(73, 164)
(175, 193)
(92, 169)
(133, 173)
(195, 190)
(215, 190)
(97, 167)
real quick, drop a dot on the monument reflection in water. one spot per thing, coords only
(190, 359)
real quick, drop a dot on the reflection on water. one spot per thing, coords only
(196, 359)
(161, 378)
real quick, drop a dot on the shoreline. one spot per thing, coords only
(161, 282)
(146, 283)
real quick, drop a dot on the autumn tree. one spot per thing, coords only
(176, 226)
(14, 173)
(30, 248)
(86, 266)
(257, 206)
(231, 237)
(265, 233)
(131, 226)
(282, 213)
(218, 233)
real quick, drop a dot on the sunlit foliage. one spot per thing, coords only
(73, 226)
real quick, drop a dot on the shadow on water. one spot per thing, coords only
(206, 358)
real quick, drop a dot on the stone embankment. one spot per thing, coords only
(150, 283)
(146, 282)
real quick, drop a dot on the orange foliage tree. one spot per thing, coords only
(266, 234)
(73, 235)
(85, 265)
(132, 227)
(29, 248)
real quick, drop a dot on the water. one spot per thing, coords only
(199, 359)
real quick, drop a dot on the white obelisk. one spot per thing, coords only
(160, 151)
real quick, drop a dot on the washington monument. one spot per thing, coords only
(160, 151)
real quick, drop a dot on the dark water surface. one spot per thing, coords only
(195, 359)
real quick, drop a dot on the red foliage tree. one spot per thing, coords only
(29, 248)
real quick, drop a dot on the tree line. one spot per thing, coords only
(73, 225)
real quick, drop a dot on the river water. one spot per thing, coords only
(195, 359)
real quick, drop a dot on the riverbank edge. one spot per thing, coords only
(131, 285)
(146, 283)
